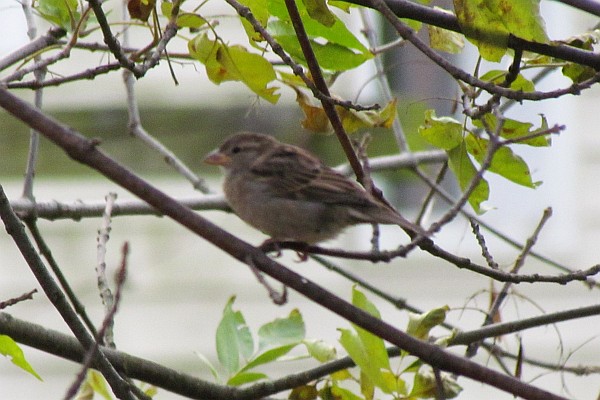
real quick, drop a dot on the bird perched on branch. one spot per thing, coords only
(289, 194)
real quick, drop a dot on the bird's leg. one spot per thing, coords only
(271, 245)
(302, 256)
(278, 298)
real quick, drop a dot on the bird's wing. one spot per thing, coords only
(299, 175)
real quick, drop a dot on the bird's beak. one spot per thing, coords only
(217, 158)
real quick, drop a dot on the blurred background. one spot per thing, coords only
(178, 284)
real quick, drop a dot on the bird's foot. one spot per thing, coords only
(271, 246)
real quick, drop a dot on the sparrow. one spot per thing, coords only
(290, 195)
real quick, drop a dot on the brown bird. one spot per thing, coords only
(289, 194)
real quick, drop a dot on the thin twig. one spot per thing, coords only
(34, 137)
(278, 298)
(104, 331)
(11, 302)
(499, 299)
(427, 203)
(89, 73)
(297, 69)
(106, 295)
(85, 151)
(463, 263)
(449, 199)
(317, 76)
(35, 45)
(111, 41)
(409, 34)
(13, 225)
(481, 241)
(137, 130)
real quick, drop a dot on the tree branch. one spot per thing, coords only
(428, 15)
(47, 40)
(15, 229)
(86, 152)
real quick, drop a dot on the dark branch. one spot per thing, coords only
(428, 15)
(86, 152)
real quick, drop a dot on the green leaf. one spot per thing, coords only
(184, 19)
(504, 162)
(10, 348)
(342, 5)
(353, 120)
(374, 345)
(269, 356)
(190, 20)
(233, 338)
(465, 171)
(335, 47)
(443, 132)
(487, 23)
(245, 377)
(318, 10)
(513, 129)
(261, 13)
(337, 33)
(98, 384)
(367, 350)
(234, 63)
(320, 350)
(414, 366)
(282, 331)
(419, 325)
(443, 39)
(208, 364)
(520, 83)
(357, 351)
(522, 18)
(577, 72)
(149, 390)
(367, 387)
(425, 386)
(330, 55)
(482, 27)
(343, 394)
(59, 12)
(304, 392)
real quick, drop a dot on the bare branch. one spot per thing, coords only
(89, 73)
(317, 76)
(494, 330)
(107, 338)
(50, 38)
(11, 302)
(105, 332)
(138, 131)
(484, 250)
(86, 152)
(77, 210)
(111, 41)
(54, 294)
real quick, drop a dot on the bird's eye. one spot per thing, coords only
(236, 149)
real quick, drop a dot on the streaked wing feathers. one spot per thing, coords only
(299, 175)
